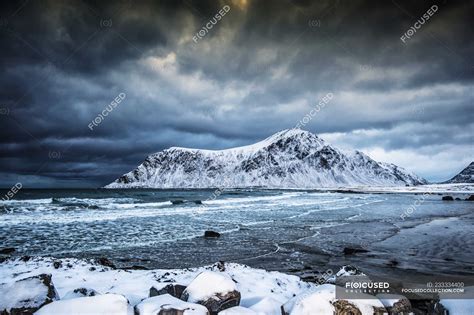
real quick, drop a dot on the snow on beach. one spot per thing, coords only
(86, 287)
(253, 284)
(458, 188)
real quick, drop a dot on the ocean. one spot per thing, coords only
(284, 230)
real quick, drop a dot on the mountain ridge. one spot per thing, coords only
(464, 176)
(291, 158)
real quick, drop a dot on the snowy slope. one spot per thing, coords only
(291, 158)
(465, 176)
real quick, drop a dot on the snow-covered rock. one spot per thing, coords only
(238, 310)
(27, 295)
(267, 306)
(322, 300)
(465, 176)
(217, 291)
(106, 304)
(79, 292)
(394, 303)
(166, 304)
(288, 159)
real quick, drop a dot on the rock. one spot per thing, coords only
(220, 266)
(352, 251)
(211, 234)
(27, 295)
(447, 198)
(471, 198)
(57, 264)
(80, 292)
(432, 307)
(458, 199)
(395, 304)
(239, 310)
(175, 290)
(104, 304)
(168, 305)
(349, 270)
(105, 262)
(198, 202)
(392, 263)
(177, 202)
(7, 251)
(322, 300)
(216, 291)
(343, 307)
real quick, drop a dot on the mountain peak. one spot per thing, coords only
(291, 158)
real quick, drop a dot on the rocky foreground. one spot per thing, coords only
(72, 286)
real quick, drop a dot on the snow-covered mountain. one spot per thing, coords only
(291, 158)
(465, 176)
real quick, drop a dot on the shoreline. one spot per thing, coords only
(276, 289)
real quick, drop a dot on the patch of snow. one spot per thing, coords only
(267, 306)
(153, 305)
(238, 310)
(107, 304)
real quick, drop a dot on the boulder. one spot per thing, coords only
(239, 310)
(471, 198)
(349, 270)
(432, 307)
(57, 264)
(322, 300)
(27, 295)
(352, 251)
(216, 291)
(447, 198)
(79, 292)
(175, 290)
(211, 234)
(104, 304)
(7, 251)
(395, 304)
(168, 305)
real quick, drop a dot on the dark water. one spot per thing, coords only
(275, 230)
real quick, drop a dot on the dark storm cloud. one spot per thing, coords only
(258, 70)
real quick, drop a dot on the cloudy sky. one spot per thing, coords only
(260, 69)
